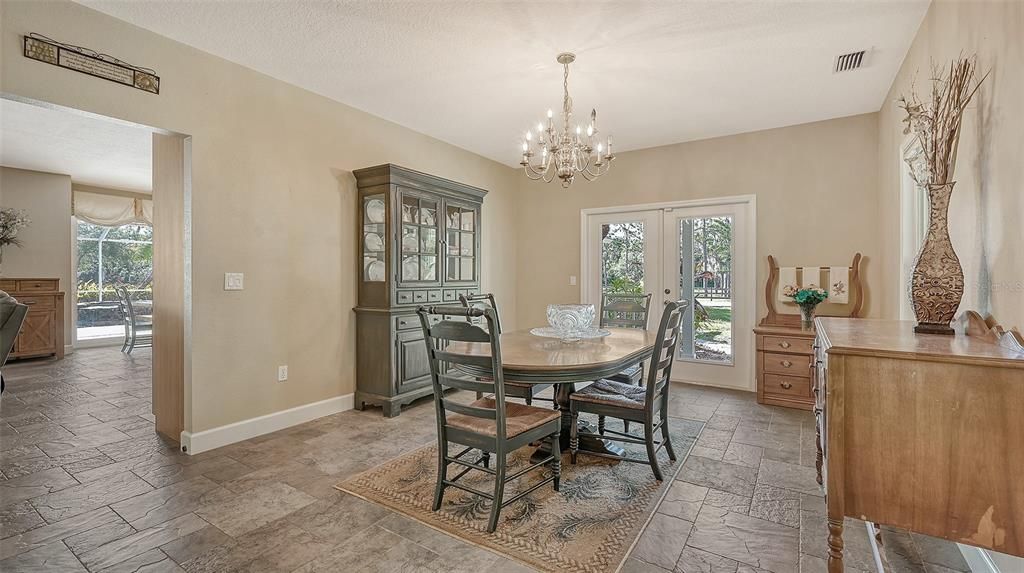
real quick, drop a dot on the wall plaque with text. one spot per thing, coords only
(91, 63)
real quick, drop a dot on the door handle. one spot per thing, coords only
(668, 291)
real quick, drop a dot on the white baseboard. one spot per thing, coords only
(194, 443)
(69, 349)
(978, 559)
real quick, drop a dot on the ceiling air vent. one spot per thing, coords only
(848, 62)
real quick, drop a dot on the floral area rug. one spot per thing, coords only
(589, 526)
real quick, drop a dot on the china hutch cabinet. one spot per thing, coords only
(418, 243)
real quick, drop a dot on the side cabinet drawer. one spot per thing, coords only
(789, 386)
(404, 297)
(787, 344)
(37, 285)
(38, 302)
(787, 364)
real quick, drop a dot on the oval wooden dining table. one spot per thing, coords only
(528, 358)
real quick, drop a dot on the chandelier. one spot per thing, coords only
(567, 153)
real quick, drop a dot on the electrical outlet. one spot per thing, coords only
(282, 373)
(572, 280)
(234, 281)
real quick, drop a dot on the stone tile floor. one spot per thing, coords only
(86, 485)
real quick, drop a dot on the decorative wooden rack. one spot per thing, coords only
(775, 318)
(989, 329)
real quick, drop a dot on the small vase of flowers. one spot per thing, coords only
(11, 221)
(807, 299)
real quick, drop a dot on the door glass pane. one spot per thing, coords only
(705, 248)
(109, 256)
(410, 238)
(466, 244)
(622, 257)
(453, 268)
(453, 220)
(410, 268)
(453, 242)
(428, 268)
(467, 268)
(428, 213)
(468, 220)
(410, 209)
(429, 240)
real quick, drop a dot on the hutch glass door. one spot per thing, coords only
(461, 243)
(418, 242)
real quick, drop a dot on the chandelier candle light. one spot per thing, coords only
(566, 153)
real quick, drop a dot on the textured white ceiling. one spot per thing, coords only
(92, 151)
(477, 74)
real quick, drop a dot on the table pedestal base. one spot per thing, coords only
(590, 440)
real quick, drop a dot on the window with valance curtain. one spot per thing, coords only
(112, 210)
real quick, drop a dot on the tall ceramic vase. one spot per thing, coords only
(937, 284)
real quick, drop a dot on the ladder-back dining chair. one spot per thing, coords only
(489, 424)
(527, 392)
(625, 310)
(137, 332)
(621, 310)
(642, 404)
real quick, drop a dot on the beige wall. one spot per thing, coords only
(46, 243)
(816, 202)
(273, 197)
(988, 201)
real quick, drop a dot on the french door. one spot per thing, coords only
(701, 252)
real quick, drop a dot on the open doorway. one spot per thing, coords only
(95, 237)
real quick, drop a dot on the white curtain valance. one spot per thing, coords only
(112, 210)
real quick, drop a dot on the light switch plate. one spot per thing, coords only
(282, 373)
(234, 281)
(572, 280)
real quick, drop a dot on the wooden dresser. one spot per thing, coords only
(42, 334)
(922, 432)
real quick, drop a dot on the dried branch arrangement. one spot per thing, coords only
(936, 122)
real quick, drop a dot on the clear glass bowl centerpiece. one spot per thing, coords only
(571, 323)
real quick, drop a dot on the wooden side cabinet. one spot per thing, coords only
(42, 334)
(785, 374)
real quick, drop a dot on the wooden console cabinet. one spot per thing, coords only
(921, 432)
(42, 334)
